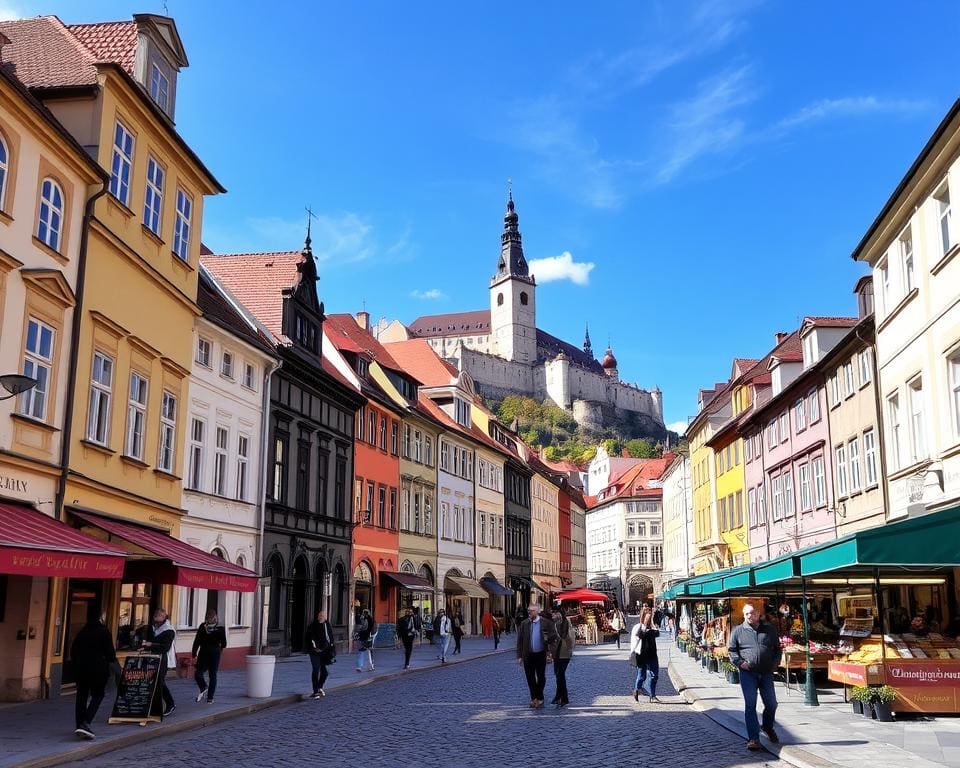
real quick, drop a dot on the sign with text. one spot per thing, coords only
(929, 673)
(42, 562)
(136, 690)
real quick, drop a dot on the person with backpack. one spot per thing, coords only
(444, 629)
(92, 656)
(364, 635)
(407, 632)
(209, 643)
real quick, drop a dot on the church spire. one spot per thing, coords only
(511, 261)
(587, 346)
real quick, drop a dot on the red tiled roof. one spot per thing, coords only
(418, 359)
(452, 324)
(832, 322)
(564, 465)
(114, 41)
(636, 480)
(217, 309)
(44, 54)
(258, 280)
(345, 334)
(790, 350)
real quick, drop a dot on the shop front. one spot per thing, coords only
(463, 596)
(501, 598)
(413, 592)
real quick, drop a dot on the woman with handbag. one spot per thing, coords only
(643, 654)
(323, 652)
(366, 630)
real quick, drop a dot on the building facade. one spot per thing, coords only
(677, 520)
(544, 531)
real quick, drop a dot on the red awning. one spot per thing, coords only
(173, 561)
(583, 595)
(34, 544)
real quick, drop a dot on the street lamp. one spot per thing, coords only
(16, 384)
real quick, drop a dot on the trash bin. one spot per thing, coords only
(260, 676)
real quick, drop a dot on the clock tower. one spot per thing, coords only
(513, 297)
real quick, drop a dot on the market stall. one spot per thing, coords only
(587, 611)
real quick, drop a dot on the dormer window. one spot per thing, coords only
(362, 366)
(305, 333)
(462, 412)
(159, 87)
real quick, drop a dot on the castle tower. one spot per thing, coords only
(513, 297)
(609, 364)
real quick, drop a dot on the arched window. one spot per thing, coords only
(4, 167)
(499, 299)
(50, 226)
(523, 298)
(275, 574)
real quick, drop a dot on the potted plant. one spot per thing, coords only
(860, 699)
(713, 664)
(730, 671)
(881, 697)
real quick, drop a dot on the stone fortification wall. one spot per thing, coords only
(496, 378)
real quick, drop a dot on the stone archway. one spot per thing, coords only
(639, 589)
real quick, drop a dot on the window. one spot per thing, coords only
(382, 506)
(866, 367)
(418, 447)
(788, 492)
(372, 427)
(483, 528)
(101, 390)
(906, 259)
(918, 444)
(220, 462)
(953, 375)
(394, 436)
(428, 451)
(279, 485)
(819, 482)
(724, 525)
(194, 478)
(799, 416)
(122, 162)
(136, 416)
(383, 433)
(407, 432)
(50, 224)
(762, 504)
(813, 403)
(772, 435)
(340, 487)
(203, 352)
(462, 410)
(37, 363)
(323, 461)
(840, 454)
(642, 556)
(777, 498)
(631, 529)
(159, 88)
(752, 506)
(835, 390)
(304, 459)
(405, 511)
(784, 427)
(641, 528)
(362, 367)
(853, 456)
(738, 521)
(942, 196)
(884, 270)
(168, 432)
(226, 365)
(748, 450)
(4, 167)
(153, 196)
(445, 456)
(893, 419)
(368, 507)
(870, 457)
(361, 421)
(848, 385)
(803, 480)
(393, 508)
(243, 458)
(656, 554)
(249, 376)
(181, 226)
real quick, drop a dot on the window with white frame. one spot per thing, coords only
(122, 163)
(906, 259)
(198, 429)
(870, 457)
(762, 503)
(885, 287)
(819, 482)
(944, 229)
(752, 506)
(784, 427)
(799, 415)
(226, 365)
(840, 455)
(37, 364)
(417, 446)
(777, 498)
(159, 88)
(168, 432)
(835, 390)
(788, 502)
(249, 376)
(641, 528)
(243, 461)
(894, 419)
(203, 352)
(848, 385)
(772, 435)
(153, 196)
(866, 367)
(136, 416)
(803, 480)
(462, 411)
(918, 444)
(813, 406)
(220, 461)
(181, 226)
(50, 221)
(101, 392)
(4, 169)
(654, 528)
(853, 457)
(953, 373)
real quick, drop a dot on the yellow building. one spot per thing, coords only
(729, 504)
(113, 86)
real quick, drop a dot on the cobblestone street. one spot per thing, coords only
(473, 714)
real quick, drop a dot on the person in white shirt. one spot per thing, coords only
(446, 630)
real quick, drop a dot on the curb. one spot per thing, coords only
(796, 756)
(94, 749)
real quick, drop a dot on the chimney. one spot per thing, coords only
(363, 320)
(780, 336)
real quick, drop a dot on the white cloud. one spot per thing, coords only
(431, 294)
(9, 11)
(678, 426)
(562, 267)
(848, 106)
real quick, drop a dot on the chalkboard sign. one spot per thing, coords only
(135, 692)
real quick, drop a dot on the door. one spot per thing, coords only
(82, 596)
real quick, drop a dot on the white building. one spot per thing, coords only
(677, 520)
(223, 450)
(603, 468)
(912, 248)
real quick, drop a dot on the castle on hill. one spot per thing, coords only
(506, 354)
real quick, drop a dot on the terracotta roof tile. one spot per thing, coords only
(636, 480)
(44, 54)
(417, 358)
(258, 280)
(218, 309)
(114, 41)
(345, 334)
(452, 324)
(832, 322)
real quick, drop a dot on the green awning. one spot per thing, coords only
(712, 587)
(780, 569)
(739, 578)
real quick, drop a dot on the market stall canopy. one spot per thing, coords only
(407, 581)
(465, 586)
(167, 560)
(584, 595)
(34, 544)
(494, 587)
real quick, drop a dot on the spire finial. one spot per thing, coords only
(587, 346)
(510, 189)
(310, 215)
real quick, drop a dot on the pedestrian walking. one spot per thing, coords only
(562, 654)
(444, 632)
(161, 638)
(616, 623)
(323, 652)
(643, 654)
(209, 642)
(458, 631)
(407, 632)
(495, 628)
(486, 623)
(519, 617)
(364, 635)
(535, 636)
(755, 650)
(92, 656)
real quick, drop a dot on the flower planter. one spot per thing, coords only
(881, 711)
(857, 707)
(733, 676)
(712, 664)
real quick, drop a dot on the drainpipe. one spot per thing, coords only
(67, 432)
(257, 625)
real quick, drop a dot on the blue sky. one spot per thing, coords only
(696, 174)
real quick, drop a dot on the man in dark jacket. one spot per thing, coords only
(210, 640)
(407, 632)
(92, 656)
(755, 650)
(323, 652)
(535, 636)
(160, 639)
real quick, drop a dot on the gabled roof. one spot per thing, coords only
(45, 54)
(114, 41)
(218, 310)
(452, 324)
(636, 481)
(418, 359)
(259, 281)
(345, 334)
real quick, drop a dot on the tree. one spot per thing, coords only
(642, 449)
(612, 446)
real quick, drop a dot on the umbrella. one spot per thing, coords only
(583, 595)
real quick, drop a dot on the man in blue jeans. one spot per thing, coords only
(755, 650)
